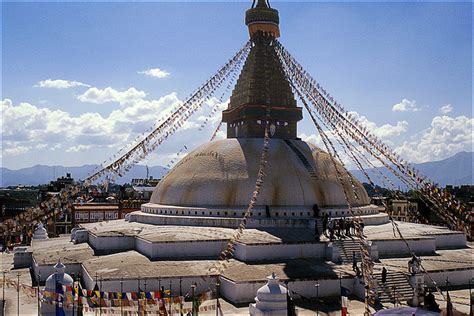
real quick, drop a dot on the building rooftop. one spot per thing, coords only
(124, 265)
(47, 251)
(96, 206)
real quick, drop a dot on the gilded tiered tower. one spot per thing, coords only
(262, 91)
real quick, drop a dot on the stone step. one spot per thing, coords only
(347, 247)
(302, 158)
(397, 284)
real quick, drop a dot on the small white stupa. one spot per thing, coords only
(53, 282)
(270, 299)
(40, 232)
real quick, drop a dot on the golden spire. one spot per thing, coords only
(262, 19)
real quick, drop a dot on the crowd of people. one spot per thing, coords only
(339, 227)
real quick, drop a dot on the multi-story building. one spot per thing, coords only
(94, 212)
(402, 210)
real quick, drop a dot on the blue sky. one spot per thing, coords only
(405, 68)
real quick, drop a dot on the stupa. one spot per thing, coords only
(176, 238)
(271, 299)
(218, 178)
(40, 232)
(54, 284)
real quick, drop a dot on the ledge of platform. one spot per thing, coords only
(233, 222)
(257, 212)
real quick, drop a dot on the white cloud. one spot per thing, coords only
(155, 72)
(445, 137)
(313, 139)
(28, 128)
(100, 96)
(15, 151)
(385, 131)
(78, 148)
(445, 109)
(405, 106)
(59, 84)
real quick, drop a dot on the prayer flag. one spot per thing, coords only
(59, 308)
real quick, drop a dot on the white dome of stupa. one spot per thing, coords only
(223, 172)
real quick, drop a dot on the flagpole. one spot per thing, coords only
(193, 288)
(121, 298)
(56, 291)
(170, 299)
(18, 292)
(181, 295)
(340, 290)
(317, 297)
(138, 298)
(80, 306)
(73, 294)
(3, 287)
(217, 295)
(100, 296)
(96, 286)
(144, 307)
(449, 304)
(38, 294)
(470, 297)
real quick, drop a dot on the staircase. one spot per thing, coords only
(397, 285)
(302, 158)
(346, 248)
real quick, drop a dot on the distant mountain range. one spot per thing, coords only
(455, 170)
(41, 174)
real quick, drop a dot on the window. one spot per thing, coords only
(109, 215)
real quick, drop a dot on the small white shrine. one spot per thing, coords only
(58, 278)
(270, 299)
(40, 232)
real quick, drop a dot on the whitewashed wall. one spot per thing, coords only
(390, 247)
(111, 244)
(245, 292)
(247, 252)
(187, 249)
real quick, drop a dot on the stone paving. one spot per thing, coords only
(49, 250)
(443, 260)
(125, 265)
(28, 305)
